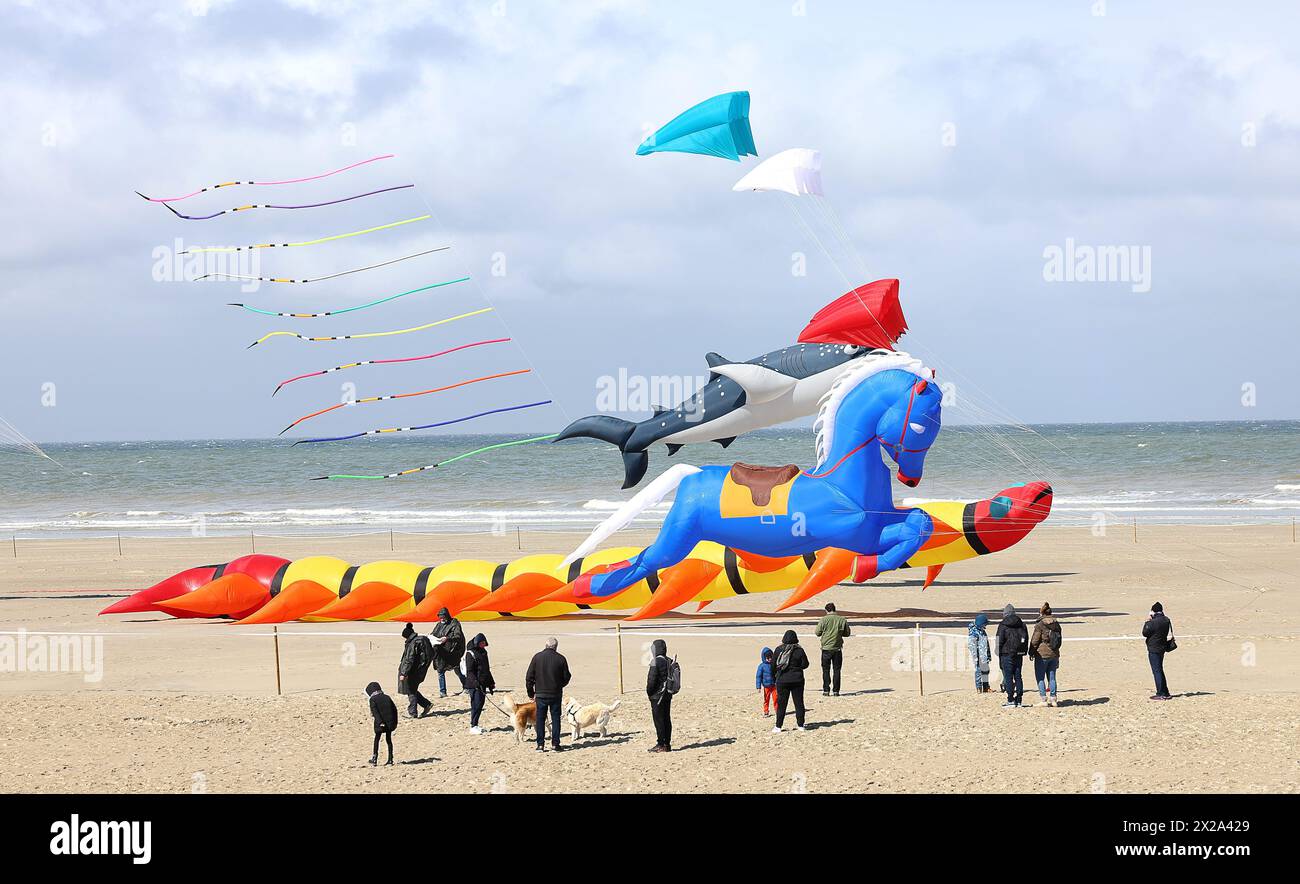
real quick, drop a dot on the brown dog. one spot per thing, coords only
(524, 715)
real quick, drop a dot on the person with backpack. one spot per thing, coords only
(977, 642)
(449, 646)
(384, 712)
(832, 629)
(417, 656)
(1045, 648)
(479, 682)
(662, 681)
(548, 673)
(1012, 641)
(765, 680)
(1159, 634)
(789, 663)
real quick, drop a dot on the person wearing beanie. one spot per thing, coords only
(384, 712)
(789, 663)
(417, 656)
(1159, 634)
(832, 629)
(1012, 642)
(1045, 648)
(977, 642)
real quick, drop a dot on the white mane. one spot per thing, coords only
(868, 366)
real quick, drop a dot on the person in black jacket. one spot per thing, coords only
(478, 679)
(661, 701)
(448, 647)
(788, 663)
(1156, 631)
(1012, 643)
(417, 656)
(384, 711)
(548, 673)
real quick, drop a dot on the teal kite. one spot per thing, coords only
(716, 127)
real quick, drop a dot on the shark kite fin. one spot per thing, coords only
(673, 448)
(760, 384)
(725, 442)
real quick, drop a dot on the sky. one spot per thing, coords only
(964, 145)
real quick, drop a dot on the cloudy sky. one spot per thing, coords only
(961, 141)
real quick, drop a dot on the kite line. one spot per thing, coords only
(308, 242)
(383, 334)
(319, 278)
(350, 309)
(441, 462)
(488, 377)
(313, 374)
(459, 420)
(272, 206)
(176, 199)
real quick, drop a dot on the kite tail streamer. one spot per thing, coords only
(273, 206)
(459, 420)
(338, 312)
(441, 463)
(176, 199)
(400, 331)
(314, 374)
(309, 242)
(235, 276)
(488, 377)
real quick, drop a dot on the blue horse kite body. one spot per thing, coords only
(846, 503)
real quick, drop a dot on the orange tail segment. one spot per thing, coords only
(367, 600)
(930, 574)
(453, 595)
(579, 591)
(681, 583)
(832, 566)
(517, 594)
(229, 595)
(298, 599)
(763, 564)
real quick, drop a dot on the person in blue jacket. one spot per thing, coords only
(765, 681)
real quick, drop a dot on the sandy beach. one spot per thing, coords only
(184, 706)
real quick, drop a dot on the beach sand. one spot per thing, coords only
(187, 706)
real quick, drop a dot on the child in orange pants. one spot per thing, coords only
(765, 681)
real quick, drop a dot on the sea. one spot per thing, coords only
(1224, 473)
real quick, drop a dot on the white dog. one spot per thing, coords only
(594, 716)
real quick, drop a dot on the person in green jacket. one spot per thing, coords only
(831, 629)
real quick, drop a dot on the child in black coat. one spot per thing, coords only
(384, 711)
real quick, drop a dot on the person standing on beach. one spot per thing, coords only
(1045, 648)
(548, 673)
(977, 642)
(417, 656)
(765, 680)
(449, 647)
(832, 629)
(659, 688)
(789, 663)
(478, 679)
(384, 712)
(1012, 640)
(1158, 632)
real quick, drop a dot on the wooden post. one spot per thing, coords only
(119, 545)
(1135, 529)
(920, 670)
(252, 541)
(16, 541)
(519, 538)
(618, 633)
(1292, 530)
(390, 540)
(275, 638)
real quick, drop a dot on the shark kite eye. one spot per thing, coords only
(1000, 506)
(915, 427)
(850, 349)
